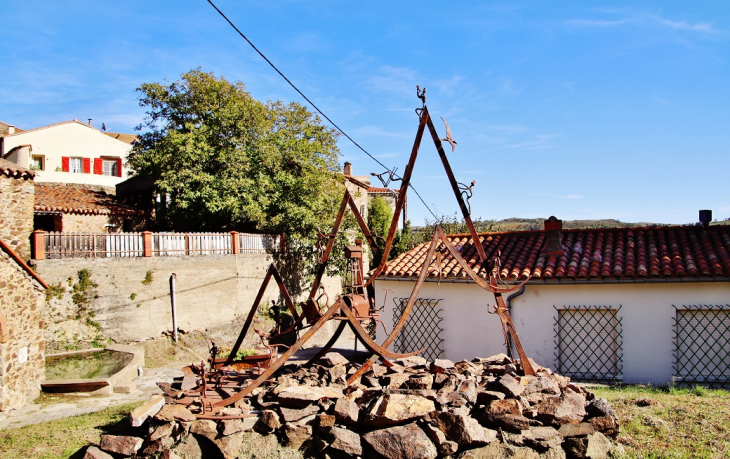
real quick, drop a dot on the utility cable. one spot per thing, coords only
(312, 103)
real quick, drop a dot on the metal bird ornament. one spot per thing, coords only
(448, 137)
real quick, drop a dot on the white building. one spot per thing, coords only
(638, 305)
(69, 152)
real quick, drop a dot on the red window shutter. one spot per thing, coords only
(87, 165)
(64, 163)
(119, 167)
(98, 166)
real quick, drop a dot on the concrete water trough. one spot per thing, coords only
(101, 371)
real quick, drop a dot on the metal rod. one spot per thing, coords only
(173, 277)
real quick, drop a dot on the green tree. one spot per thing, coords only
(380, 217)
(228, 161)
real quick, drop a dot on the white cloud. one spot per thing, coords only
(394, 80)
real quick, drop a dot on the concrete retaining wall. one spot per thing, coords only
(211, 290)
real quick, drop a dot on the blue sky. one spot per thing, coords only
(576, 109)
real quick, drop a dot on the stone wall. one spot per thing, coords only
(22, 360)
(212, 291)
(17, 198)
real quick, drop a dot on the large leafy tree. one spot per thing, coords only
(228, 161)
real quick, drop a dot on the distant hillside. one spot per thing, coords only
(525, 224)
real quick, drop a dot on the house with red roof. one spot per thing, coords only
(68, 152)
(638, 305)
(83, 209)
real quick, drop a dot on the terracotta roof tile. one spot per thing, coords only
(126, 138)
(13, 170)
(621, 253)
(375, 189)
(70, 199)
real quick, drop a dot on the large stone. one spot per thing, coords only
(412, 361)
(232, 426)
(507, 406)
(395, 380)
(466, 392)
(509, 422)
(444, 446)
(600, 407)
(607, 425)
(346, 411)
(441, 366)
(163, 431)
(331, 359)
(230, 445)
(395, 408)
(146, 410)
(293, 415)
(343, 440)
(423, 381)
(295, 436)
(464, 430)
(567, 408)
(174, 413)
(486, 396)
(576, 430)
(401, 442)
(301, 396)
(205, 428)
(92, 452)
(338, 374)
(269, 421)
(542, 437)
(498, 450)
(543, 384)
(169, 454)
(594, 446)
(156, 446)
(121, 444)
(510, 386)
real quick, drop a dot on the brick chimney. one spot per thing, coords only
(347, 170)
(553, 243)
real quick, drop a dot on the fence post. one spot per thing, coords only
(38, 245)
(282, 243)
(147, 243)
(173, 277)
(234, 242)
(187, 243)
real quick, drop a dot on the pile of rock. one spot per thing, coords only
(415, 409)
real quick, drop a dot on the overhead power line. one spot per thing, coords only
(312, 103)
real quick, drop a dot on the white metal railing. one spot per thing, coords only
(96, 245)
(75, 245)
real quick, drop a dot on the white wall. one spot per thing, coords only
(69, 139)
(646, 312)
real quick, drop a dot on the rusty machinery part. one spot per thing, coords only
(467, 192)
(392, 177)
(354, 309)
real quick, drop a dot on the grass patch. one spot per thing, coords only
(671, 422)
(63, 438)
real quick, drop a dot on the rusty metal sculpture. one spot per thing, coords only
(227, 380)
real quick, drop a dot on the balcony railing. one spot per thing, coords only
(53, 245)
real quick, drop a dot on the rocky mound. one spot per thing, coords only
(416, 409)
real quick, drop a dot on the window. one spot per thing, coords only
(109, 167)
(76, 165)
(422, 328)
(589, 343)
(37, 163)
(362, 211)
(702, 335)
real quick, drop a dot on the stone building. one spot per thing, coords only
(17, 195)
(22, 347)
(83, 209)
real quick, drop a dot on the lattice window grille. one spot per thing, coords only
(589, 343)
(422, 328)
(702, 344)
